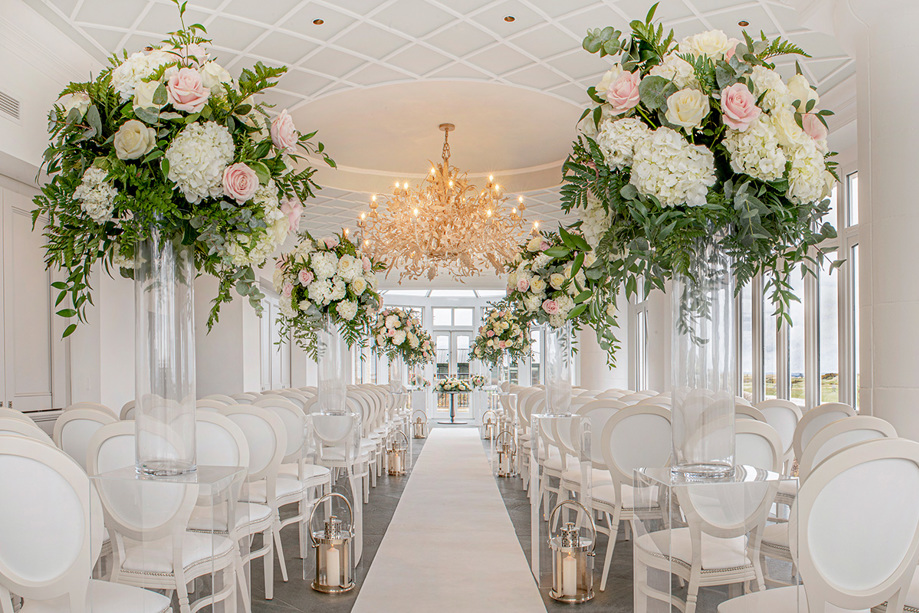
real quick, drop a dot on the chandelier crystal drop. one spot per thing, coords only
(445, 223)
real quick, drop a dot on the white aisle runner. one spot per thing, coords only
(451, 546)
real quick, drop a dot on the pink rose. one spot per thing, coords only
(293, 209)
(330, 242)
(550, 307)
(738, 107)
(186, 91)
(194, 54)
(306, 277)
(502, 344)
(544, 245)
(490, 333)
(730, 53)
(523, 285)
(288, 289)
(813, 127)
(391, 332)
(239, 182)
(622, 94)
(284, 134)
(365, 262)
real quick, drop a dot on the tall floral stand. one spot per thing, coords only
(559, 368)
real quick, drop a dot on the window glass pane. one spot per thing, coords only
(535, 357)
(746, 340)
(462, 355)
(462, 317)
(642, 350)
(442, 317)
(828, 335)
(442, 344)
(852, 190)
(769, 357)
(796, 340)
(855, 324)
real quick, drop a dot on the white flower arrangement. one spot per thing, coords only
(453, 385)
(504, 331)
(399, 333)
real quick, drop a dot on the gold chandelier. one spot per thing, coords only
(443, 223)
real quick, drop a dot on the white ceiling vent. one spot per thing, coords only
(9, 106)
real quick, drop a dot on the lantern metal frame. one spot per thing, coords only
(423, 423)
(490, 423)
(398, 452)
(511, 461)
(345, 543)
(584, 553)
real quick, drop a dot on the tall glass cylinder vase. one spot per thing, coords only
(703, 371)
(331, 362)
(396, 374)
(164, 277)
(504, 371)
(559, 368)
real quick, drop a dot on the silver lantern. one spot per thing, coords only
(420, 424)
(334, 550)
(572, 557)
(396, 454)
(505, 454)
(489, 425)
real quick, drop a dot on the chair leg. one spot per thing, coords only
(692, 596)
(279, 548)
(182, 589)
(613, 523)
(268, 562)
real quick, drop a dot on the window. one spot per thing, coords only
(854, 387)
(797, 371)
(442, 317)
(746, 340)
(536, 357)
(828, 333)
(770, 363)
(641, 349)
(852, 189)
(462, 318)
(445, 317)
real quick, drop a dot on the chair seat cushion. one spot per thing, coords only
(717, 553)
(598, 476)
(776, 535)
(337, 454)
(791, 599)
(606, 492)
(309, 471)
(286, 486)
(248, 514)
(105, 597)
(157, 558)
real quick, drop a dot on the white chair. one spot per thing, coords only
(211, 405)
(28, 429)
(245, 397)
(815, 419)
(266, 439)
(220, 398)
(75, 427)
(635, 437)
(745, 411)
(853, 548)
(783, 415)
(150, 543)
(92, 405)
(15, 414)
(52, 536)
(757, 444)
(127, 411)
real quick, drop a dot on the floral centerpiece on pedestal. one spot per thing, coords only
(166, 145)
(398, 334)
(327, 278)
(417, 381)
(504, 332)
(478, 381)
(700, 139)
(452, 384)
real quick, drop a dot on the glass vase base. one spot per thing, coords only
(707, 471)
(166, 468)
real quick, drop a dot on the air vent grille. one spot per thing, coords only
(9, 105)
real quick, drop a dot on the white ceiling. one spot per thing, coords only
(379, 75)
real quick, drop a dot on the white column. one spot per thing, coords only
(881, 34)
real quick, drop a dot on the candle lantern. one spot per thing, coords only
(505, 454)
(333, 545)
(420, 424)
(396, 454)
(572, 558)
(489, 425)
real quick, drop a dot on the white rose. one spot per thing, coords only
(305, 305)
(714, 43)
(676, 69)
(534, 243)
(213, 74)
(537, 285)
(358, 286)
(556, 280)
(611, 75)
(133, 140)
(143, 95)
(347, 309)
(801, 92)
(76, 100)
(398, 337)
(788, 132)
(381, 340)
(687, 108)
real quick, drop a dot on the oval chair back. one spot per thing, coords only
(840, 435)
(815, 419)
(294, 422)
(93, 405)
(22, 428)
(75, 427)
(783, 415)
(758, 444)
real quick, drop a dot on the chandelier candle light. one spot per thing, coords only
(445, 223)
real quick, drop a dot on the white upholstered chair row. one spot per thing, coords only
(11, 425)
(52, 536)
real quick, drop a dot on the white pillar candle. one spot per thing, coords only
(333, 566)
(569, 576)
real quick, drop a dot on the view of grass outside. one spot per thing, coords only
(829, 387)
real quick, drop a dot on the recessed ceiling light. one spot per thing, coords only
(318, 22)
(510, 18)
(743, 23)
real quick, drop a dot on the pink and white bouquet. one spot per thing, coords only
(398, 333)
(504, 331)
(327, 278)
(478, 381)
(453, 384)
(167, 143)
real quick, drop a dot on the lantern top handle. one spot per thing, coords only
(316, 506)
(405, 438)
(577, 505)
(420, 412)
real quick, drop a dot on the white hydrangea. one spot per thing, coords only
(770, 83)
(676, 69)
(595, 221)
(756, 151)
(532, 302)
(541, 261)
(668, 167)
(277, 226)
(287, 306)
(339, 289)
(347, 309)
(413, 341)
(557, 320)
(136, 68)
(324, 264)
(808, 180)
(96, 195)
(121, 261)
(349, 267)
(618, 137)
(197, 158)
(318, 291)
(398, 337)
(277, 279)
(565, 304)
